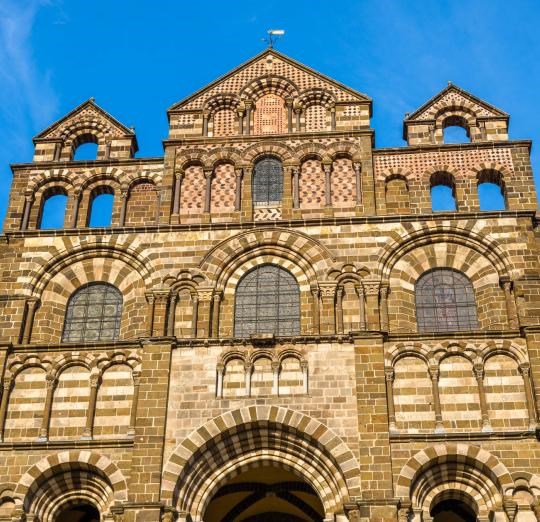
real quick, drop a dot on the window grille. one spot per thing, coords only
(93, 314)
(445, 302)
(267, 301)
(267, 182)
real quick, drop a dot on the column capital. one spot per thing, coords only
(275, 366)
(384, 290)
(94, 381)
(304, 365)
(239, 172)
(359, 288)
(50, 381)
(161, 296)
(434, 372)
(33, 301)
(149, 297)
(389, 374)
(357, 166)
(506, 283)
(208, 171)
(478, 370)
(371, 287)
(7, 383)
(29, 196)
(524, 369)
(205, 293)
(327, 289)
(220, 368)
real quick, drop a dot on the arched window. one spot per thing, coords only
(80, 512)
(491, 190)
(270, 115)
(53, 209)
(456, 130)
(93, 314)
(445, 301)
(267, 301)
(453, 509)
(85, 148)
(101, 206)
(267, 182)
(443, 192)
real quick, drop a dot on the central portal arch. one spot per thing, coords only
(287, 464)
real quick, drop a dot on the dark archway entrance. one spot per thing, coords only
(451, 510)
(78, 513)
(265, 494)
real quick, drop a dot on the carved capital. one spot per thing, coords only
(161, 296)
(208, 171)
(7, 383)
(136, 378)
(327, 290)
(205, 294)
(357, 166)
(511, 508)
(371, 287)
(359, 290)
(389, 374)
(149, 297)
(434, 372)
(239, 172)
(94, 381)
(50, 381)
(29, 196)
(275, 366)
(304, 365)
(220, 368)
(525, 369)
(383, 291)
(478, 371)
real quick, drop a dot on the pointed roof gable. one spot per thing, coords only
(269, 63)
(453, 96)
(86, 112)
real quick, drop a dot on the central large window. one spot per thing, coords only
(267, 182)
(445, 302)
(267, 301)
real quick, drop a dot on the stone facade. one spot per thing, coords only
(361, 414)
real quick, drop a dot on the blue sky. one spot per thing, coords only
(138, 57)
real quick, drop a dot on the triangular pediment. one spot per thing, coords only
(88, 114)
(454, 97)
(270, 63)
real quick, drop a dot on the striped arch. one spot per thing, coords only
(220, 262)
(426, 235)
(396, 352)
(103, 174)
(386, 175)
(269, 84)
(104, 360)
(146, 175)
(235, 441)
(222, 155)
(506, 347)
(276, 148)
(441, 167)
(73, 179)
(316, 96)
(307, 151)
(221, 101)
(41, 277)
(22, 362)
(454, 467)
(186, 158)
(344, 148)
(68, 477)
(71, 359)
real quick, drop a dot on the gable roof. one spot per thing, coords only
(486, 109)
(275, 54)
(88, 104)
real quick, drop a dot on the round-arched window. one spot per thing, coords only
(267, 182)
(93, 314)
(445, 302)
(267, 301)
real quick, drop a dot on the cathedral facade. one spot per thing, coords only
(276, 323)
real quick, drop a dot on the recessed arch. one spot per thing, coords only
(199, 464)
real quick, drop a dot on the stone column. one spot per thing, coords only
(220, 370)
(327, 167)
(511, 312)
(289, 105)
(6, 391)
(358, 181)
(31, 305)
(511, 508)
(134, 404)
(333, 118)
(371, 290)
(535, 507)
(479, 374)
(240, 121)
(384, 308)
(305, 376)
(90, 414)
(296, 187)
(404, 510)
(205, 123)
(123, 209)
(328, 312)
(298, 112)
(150, 313)
(247, 126)
(204, 314)
(177, 194)
(208, 189)
(28, 201)
(275, 378)
(45, 421)
(160, 309)
(525, 371)
(248, 368)
(171, 314)
(362, 306)
(390, 375)
(434, 375)
(238, 189)
(339, 309)
(216, 302)
(75, 200)
(246, 202)
(195, 315)
(315, 311)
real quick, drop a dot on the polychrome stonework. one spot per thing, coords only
(366, 412)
